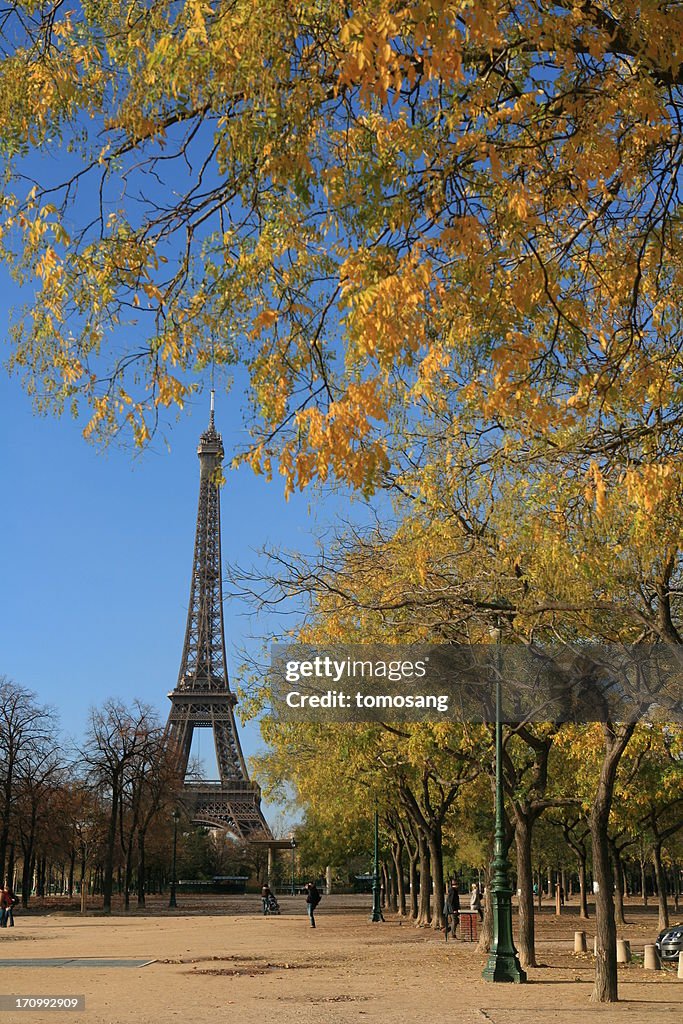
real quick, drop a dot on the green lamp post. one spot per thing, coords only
(503, 962)
(376, 896)
(292, 843)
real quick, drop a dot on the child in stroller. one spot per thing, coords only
(270, 904)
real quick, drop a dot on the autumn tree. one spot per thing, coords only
(351, 200)
(655, 803)
(532, 790)
(555, 565)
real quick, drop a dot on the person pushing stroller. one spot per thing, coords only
(270, 904)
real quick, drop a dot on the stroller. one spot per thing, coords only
(270, 904)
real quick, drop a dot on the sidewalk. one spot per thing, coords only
(277, 970)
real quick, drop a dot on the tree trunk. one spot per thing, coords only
(397, 855)
(583, 895)
(410, 843)
(643, 882)
(605, 989)
(539, 894)
(526, 938)
(7, 805)
(128, 874)
(108, 880)
(42, 868)
(385, 883)
(677, 887)
(27, 876)
(661, 885)
(618, 884)
(486, 926)
(72, 867)
(393, 880)
(9, 874)
(141, 868)
(414, 883)
(424, 914)
(436, 859)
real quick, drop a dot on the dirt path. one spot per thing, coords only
(277, 970)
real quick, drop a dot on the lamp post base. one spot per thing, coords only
(503, 963)
(376, 915)
(503, 968)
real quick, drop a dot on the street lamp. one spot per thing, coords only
(292, 843)
(176, 819)
(503, 963)
(376, 901)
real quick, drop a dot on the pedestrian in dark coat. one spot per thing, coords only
(313, 898)
(451, 908)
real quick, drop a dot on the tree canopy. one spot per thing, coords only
(363, 203)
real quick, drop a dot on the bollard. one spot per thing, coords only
(580, 942)
(680, 964)
(651, 960)
(623, 951)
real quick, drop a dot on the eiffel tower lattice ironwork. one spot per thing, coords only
(202, 698)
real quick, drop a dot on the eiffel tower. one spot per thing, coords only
(202, 698)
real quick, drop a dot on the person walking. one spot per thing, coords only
(265, 897)
(313, 898)
(475, 900)
(452, 909)
(7, 901)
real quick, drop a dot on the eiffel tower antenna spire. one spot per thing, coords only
(202, 698)
(213, 379)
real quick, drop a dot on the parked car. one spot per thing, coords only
(669, 943)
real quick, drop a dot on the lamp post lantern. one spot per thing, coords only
(376, 895)
(176, 818)
(503, 962)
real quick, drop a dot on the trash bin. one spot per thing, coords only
(468, 925)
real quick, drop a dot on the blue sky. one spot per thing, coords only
(97, 551)
(96, 546)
